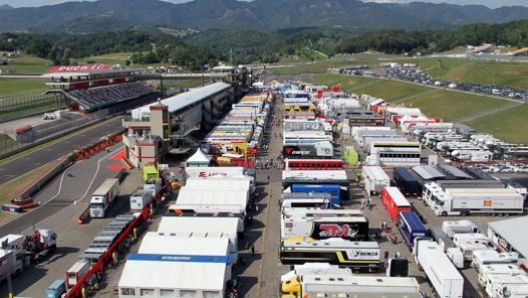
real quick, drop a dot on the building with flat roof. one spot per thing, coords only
(171, 266)
(158, 128)
(508, 238)
(204, 227)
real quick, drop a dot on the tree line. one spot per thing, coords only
(249, 46)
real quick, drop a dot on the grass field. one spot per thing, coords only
(27, 65)
(513, 75)
(114, 58)
(21, 86)
(509, 125)
(445, 104)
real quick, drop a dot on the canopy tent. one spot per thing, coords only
(198, 159)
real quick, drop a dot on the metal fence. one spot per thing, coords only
(20, 106)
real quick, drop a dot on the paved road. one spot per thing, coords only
(59, 212)
(27, 162)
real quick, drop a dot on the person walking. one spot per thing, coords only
(252, 248)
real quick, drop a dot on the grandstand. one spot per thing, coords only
(102, 97)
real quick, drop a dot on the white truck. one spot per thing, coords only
(470, 242)
(463, 226)
(375, 179)
(140, 199)
(496, 269)
(513, 291)
(496, 283)
(494, 201)
(491, 256)
(313, 268)
(18, 251)
(338, 284)
(103, 197)
(445, 278)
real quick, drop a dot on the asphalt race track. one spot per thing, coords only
(28, 162)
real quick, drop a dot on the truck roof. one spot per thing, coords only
(362, 295)
(356, 280)
(315, 212)
(375, 172)
(106, 186)
(480, 191)
(397, 197)
(339, 218)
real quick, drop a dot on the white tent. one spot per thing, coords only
(198, 159)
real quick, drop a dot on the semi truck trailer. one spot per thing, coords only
(103, 197)
(493, 201)
(444, 277)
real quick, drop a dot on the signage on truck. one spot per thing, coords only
(363, 254)
(295, 150)
(334, 230)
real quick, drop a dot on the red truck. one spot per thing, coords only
(394, 202)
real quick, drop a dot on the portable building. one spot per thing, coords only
(169, 266)
(189, 196)
(210, 227)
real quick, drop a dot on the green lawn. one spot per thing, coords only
(392, 90)
(513, 75)
(21, 86)
(27, 65)
(509, 126)
(445, 104)
(113, 58)
(454, 106)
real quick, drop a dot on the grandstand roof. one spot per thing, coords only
(83, 70)
(180, 101)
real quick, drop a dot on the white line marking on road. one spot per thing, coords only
(95, 174)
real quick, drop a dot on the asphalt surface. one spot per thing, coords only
(62, 201)
(28, 162)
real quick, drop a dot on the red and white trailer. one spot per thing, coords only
(394, 202)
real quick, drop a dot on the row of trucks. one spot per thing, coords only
(498, 272)
(458, 201)
(18, 251)
(103, 197)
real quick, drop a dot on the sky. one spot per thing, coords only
(489, 3)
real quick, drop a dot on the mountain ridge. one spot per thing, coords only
(265, 15)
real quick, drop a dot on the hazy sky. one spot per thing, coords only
(490, 3)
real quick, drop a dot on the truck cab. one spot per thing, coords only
(291, 287)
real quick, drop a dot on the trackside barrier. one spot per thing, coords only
(23, 197)
(98, 146)
(107, 258)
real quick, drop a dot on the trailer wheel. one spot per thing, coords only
(444, 213)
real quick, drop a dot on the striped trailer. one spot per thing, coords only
(359, 256)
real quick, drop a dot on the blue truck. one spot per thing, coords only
(333, 189)
(56, 289)
(406, 182)
(411, 227)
